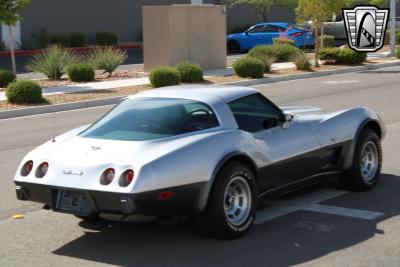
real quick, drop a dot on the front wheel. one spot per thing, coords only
(233, 46)
(367, 162)
(231, 207)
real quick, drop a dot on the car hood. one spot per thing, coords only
(235, 35)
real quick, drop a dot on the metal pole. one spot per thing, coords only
(392, 28)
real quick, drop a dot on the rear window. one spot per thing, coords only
(143, 119)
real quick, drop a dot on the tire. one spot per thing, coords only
(233, 46)
(219, 219)
(367, 163)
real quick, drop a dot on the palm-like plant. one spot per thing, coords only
(53, 62)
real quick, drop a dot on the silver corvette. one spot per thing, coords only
(204, 151)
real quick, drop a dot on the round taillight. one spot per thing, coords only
(42, 170)
(108, 176)
(129, 176)
(27, 168)
(126, 178)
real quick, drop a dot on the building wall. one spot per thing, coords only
(123, 17)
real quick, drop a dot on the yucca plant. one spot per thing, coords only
(302, 62)
(52, 62)
(107, 58)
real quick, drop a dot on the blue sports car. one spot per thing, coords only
(265, 33)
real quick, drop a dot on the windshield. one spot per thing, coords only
(143, 119)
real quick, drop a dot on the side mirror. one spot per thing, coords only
(286, 119)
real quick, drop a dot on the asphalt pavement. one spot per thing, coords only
(320, 226)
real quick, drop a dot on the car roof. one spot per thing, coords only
(200, 92)
(281, 24)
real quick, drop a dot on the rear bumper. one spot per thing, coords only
(185, 200)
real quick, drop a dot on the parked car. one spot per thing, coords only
(265, 33)
(206, 152)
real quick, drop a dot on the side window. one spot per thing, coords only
(273, 29)
(255, 113)
(256, 29)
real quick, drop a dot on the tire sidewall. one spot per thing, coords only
(223, 180)
(366, 137)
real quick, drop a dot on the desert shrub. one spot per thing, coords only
(280, 52)
(283, 40)
(77, 39)
(106, 38)
(107, 58)
(24, 92)
(329, 53)
(398, 53)
(6, 77)
(2, 46)
(302, 62)
(342, 55)
(190, 72)
(52, 62)
(61, 40)
(81, 72)
(41, 39)
(349, 56)
(164, 76)
(249, 67)
(329, 40)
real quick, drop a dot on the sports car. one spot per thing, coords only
(265, 33)
(208, 152)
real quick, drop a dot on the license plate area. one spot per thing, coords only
(75, 202)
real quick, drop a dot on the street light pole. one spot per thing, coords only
(392, 28)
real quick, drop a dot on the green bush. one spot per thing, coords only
(164, 76)
(81, 72)
(77, 39)
(61, 39)
(329, 53)
(41, 39)
(6, 77)
(27, 44)
(302, 62)
(249, 67)
(106, 38)
(106, 58)
(329, 40)
(190, 72)
(280, 52)
(342, 55)
(2, 46)
(24, 92)
(52, 62)
(398, 53)
(349, 56)
(283, 40)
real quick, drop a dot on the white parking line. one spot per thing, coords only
(341, 82)
(310, 203)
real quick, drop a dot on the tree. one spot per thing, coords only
(352, 3)
(10, 15)
(263, 7)
(317, 11)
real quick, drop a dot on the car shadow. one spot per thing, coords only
(292, 239)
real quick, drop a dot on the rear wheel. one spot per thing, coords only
(231, 207)
(367, 162)
(233, 46)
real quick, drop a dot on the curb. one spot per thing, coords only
(14, 113)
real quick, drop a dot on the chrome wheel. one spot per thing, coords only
(369, 161)
(237, 200)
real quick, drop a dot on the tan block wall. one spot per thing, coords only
(184, 32)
